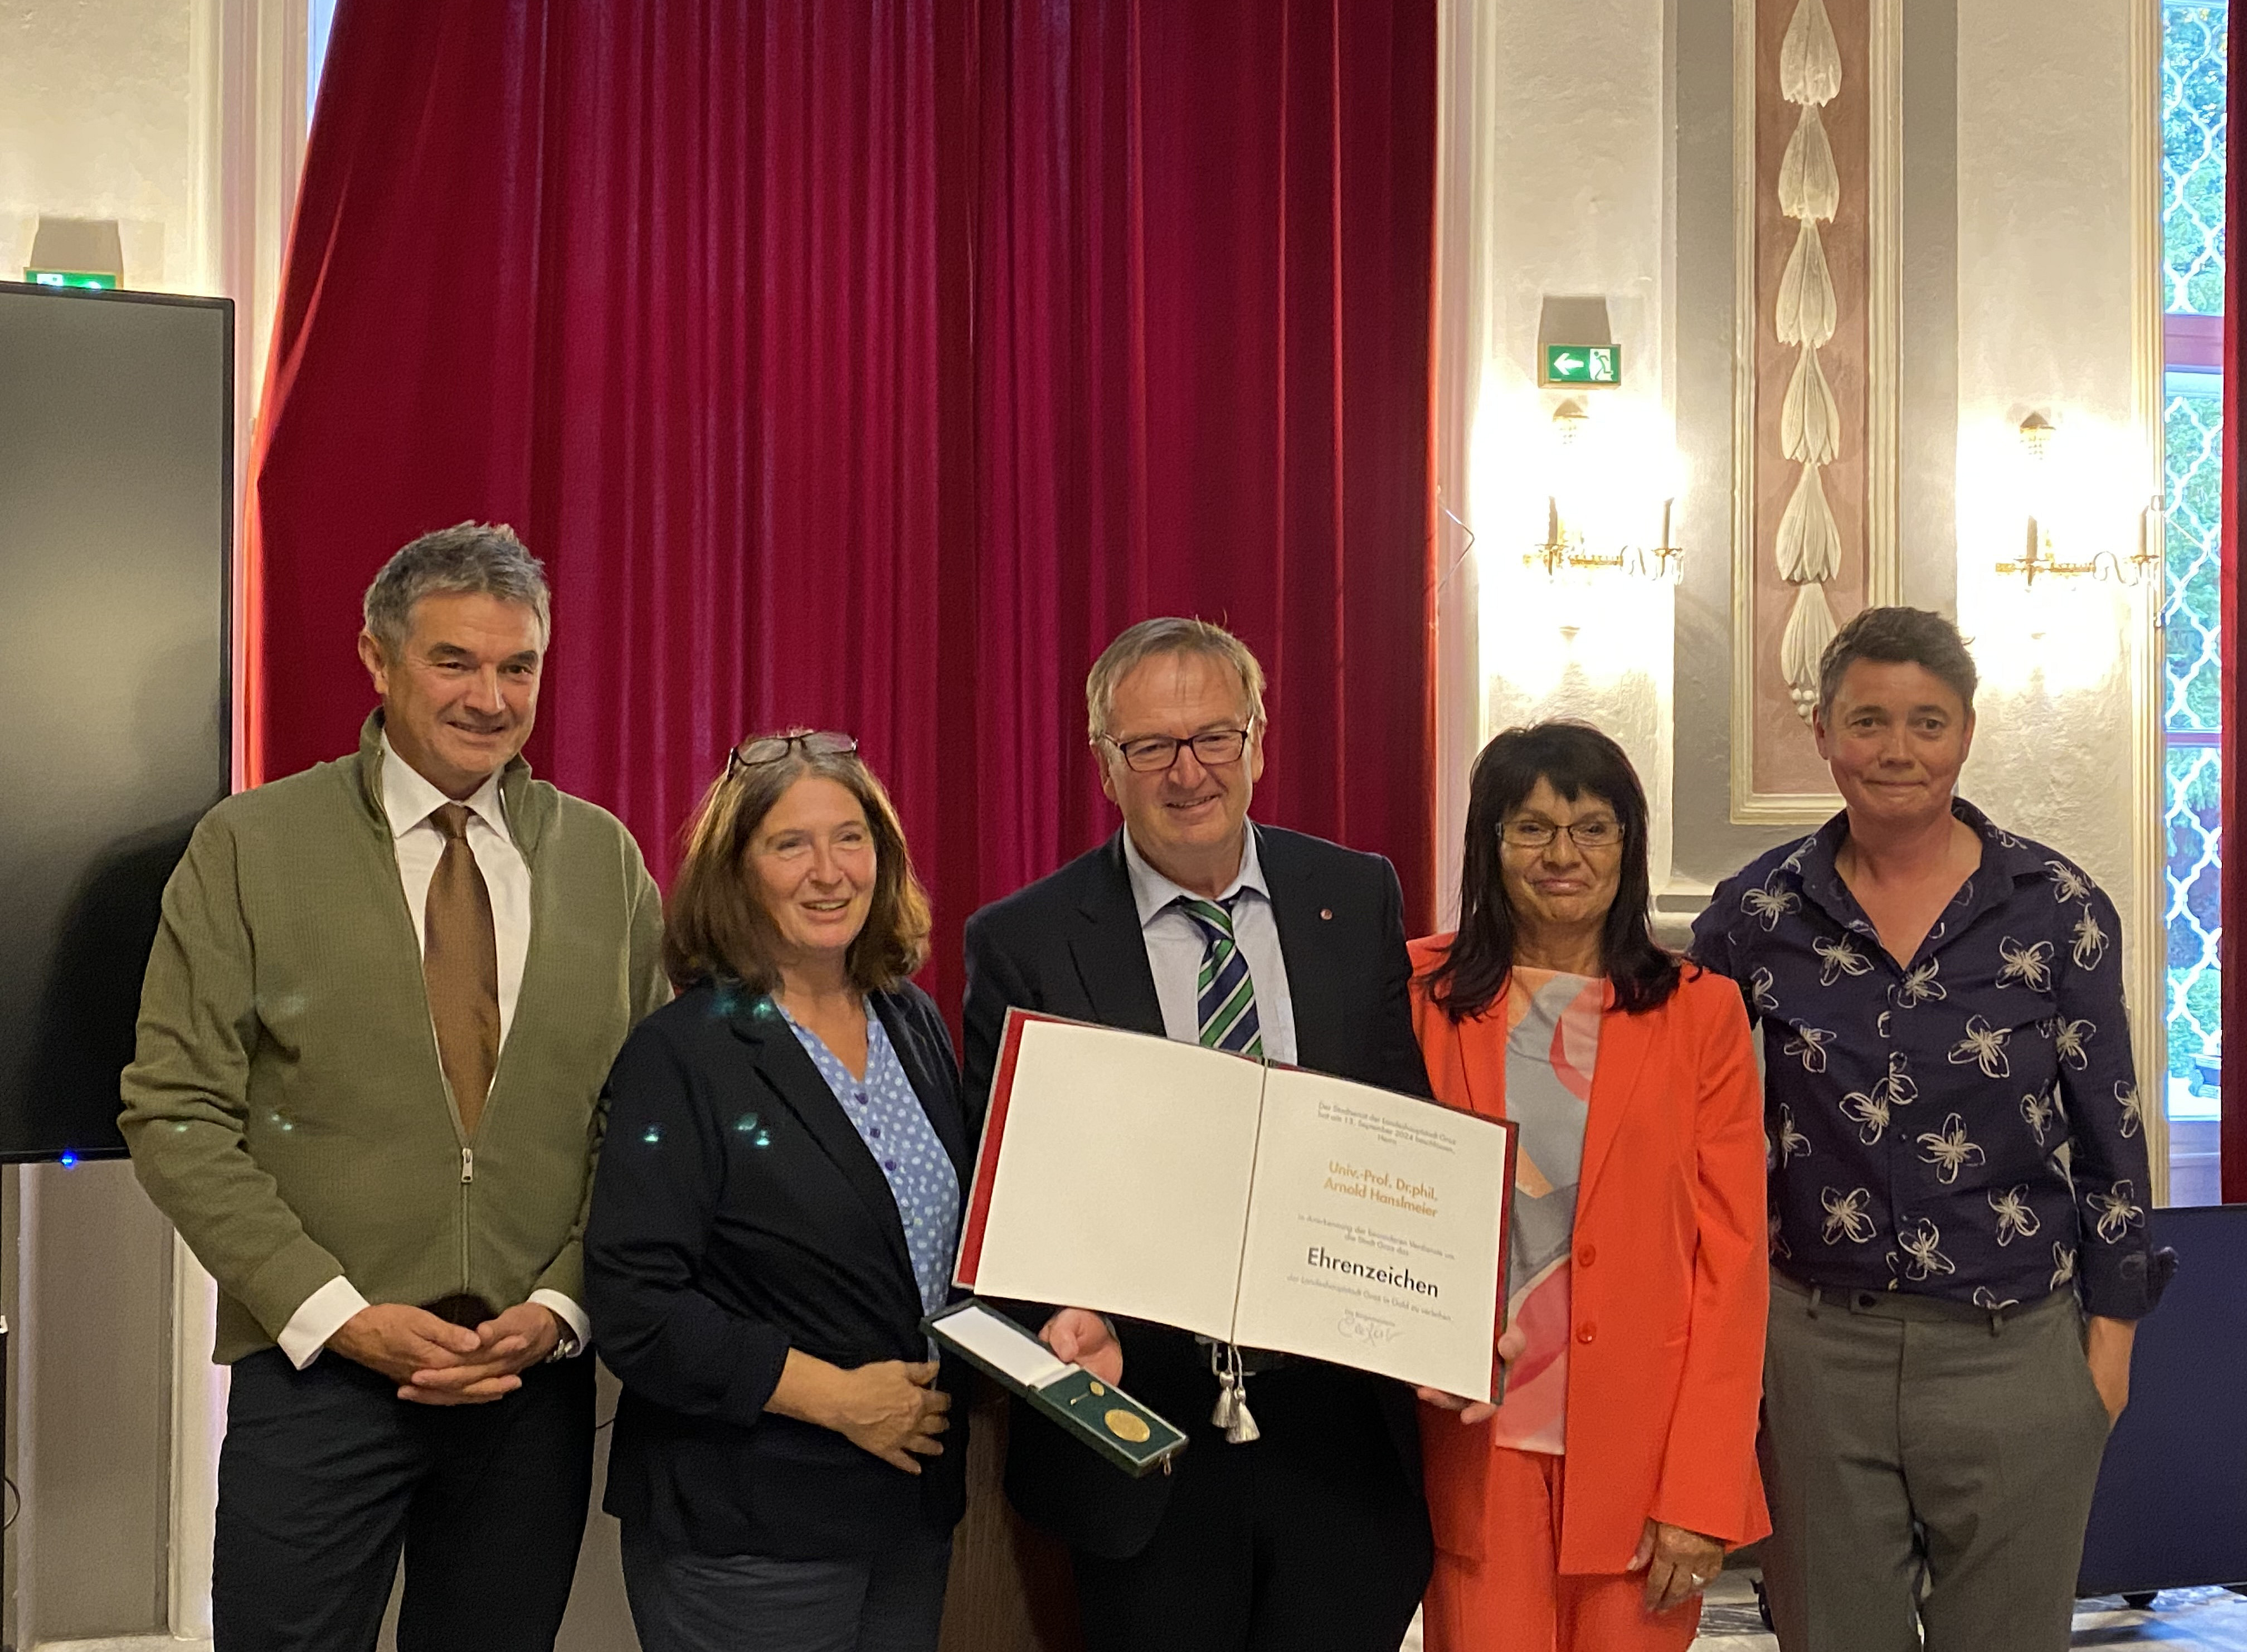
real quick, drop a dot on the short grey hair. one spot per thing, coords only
(1898, 636)
(468, 558)
(1150, 637)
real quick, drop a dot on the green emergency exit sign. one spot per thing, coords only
(1583, 365)
(72, 278)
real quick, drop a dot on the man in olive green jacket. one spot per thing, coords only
(373, 1034)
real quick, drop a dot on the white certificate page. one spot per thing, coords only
(1377, 1232)
(1123, 1168)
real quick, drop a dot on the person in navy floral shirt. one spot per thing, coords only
(1959, 1178)
(1915, 1113)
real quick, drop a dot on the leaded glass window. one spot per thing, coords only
(2194, 91)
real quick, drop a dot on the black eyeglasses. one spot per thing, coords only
(1599, 832)
(1212, 748)
(760, 750)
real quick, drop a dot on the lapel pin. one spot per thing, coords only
(1326, 912)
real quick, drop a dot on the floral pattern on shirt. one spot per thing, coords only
(1916, 1114)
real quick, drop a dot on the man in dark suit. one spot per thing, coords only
(1194, 924)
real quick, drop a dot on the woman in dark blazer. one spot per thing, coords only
(777, 1205)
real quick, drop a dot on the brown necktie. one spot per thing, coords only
(460, 962)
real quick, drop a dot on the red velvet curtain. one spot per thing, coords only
(1202, 308)
(656, 284)
(868, 366)
(2233, 1104)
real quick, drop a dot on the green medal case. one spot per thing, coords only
(1105, 1419)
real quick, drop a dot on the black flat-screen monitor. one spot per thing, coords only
(116, 538)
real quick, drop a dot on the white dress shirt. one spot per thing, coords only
(409, 799)
(1176, 945)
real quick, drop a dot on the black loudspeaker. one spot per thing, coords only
(2171, 1510)
(116, 538)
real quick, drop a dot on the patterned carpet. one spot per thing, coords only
(2181, 1621)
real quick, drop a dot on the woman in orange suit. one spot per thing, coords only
(1591, 1507)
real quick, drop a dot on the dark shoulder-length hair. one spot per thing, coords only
(716, 928)
(1576, 759)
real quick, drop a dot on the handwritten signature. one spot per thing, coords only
(1365, 1327)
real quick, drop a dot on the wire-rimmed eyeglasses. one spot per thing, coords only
(760, 750)
(1212, 748)
(1599, 832)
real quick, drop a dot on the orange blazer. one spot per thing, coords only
(1670, 1284)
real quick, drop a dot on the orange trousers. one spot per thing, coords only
(1515, 1598)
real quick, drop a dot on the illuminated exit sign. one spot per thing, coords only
(1583, 365)
(72, 278)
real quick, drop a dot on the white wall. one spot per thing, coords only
(1555, 146)
(97, 117)
(2053, 318)
(2044, 325)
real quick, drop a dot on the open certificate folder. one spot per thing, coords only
(1252, 1204)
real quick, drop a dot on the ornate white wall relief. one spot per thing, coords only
(1809, 546)
(1816, 155)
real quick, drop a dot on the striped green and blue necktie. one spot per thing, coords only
(1226, 996)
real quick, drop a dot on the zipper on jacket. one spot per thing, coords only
(468, 1213)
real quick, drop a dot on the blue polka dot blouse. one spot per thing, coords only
(890, 1120)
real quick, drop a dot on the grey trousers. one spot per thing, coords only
(1908, 1438)
(887, 1602)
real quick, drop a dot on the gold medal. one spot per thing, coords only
(1127, 1425)
(1097, 1389)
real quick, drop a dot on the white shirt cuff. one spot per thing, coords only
(581, 1328)
(317, 1319)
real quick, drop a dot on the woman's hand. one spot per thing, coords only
(891, 1409)
(1678, 1563)
(1511, 1341)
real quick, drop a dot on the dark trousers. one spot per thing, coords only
(1911, 1439)
(892, 1601)
(1309, 1539)
(326, 1475)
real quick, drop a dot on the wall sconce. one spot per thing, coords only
(2037, 560)
(1564, 547)
(2036, 437)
